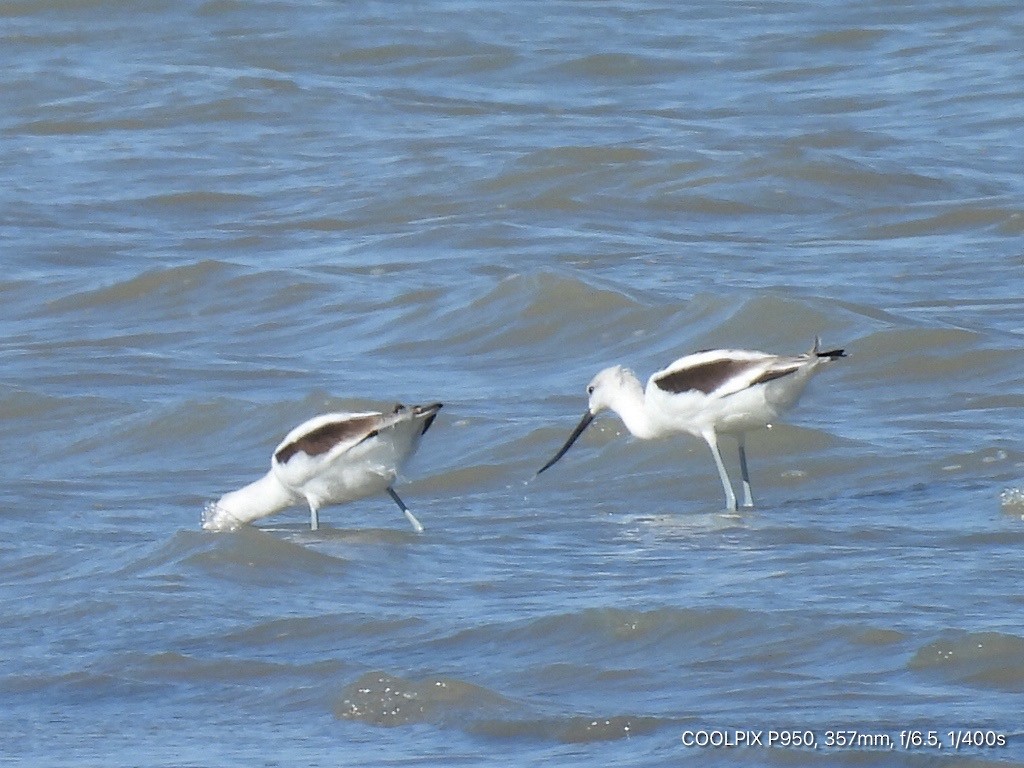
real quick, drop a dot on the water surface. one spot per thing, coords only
(219, 219)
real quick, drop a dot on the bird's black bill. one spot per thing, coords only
(584, 423)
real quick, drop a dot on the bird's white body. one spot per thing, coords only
(718, 391)
(740, 403)
(329, 459)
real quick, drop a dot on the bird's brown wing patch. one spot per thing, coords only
(706, 377)
(715, 374)
(325, 437)
(775, 373)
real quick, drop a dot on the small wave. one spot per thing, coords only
(879, 636)
(80, 686)
(948, 219)
(1011, 501)
(985, 659)
(176, 668)
(82, 127)
(571, 729)
(538, 305)
(167, 283)
(447, 56)
(619, 67)
(616, 633)
(166, 556)
(199, 199)
(304, 632)
(248, 555)
(251, 556)
(30, 406)
(383, 699)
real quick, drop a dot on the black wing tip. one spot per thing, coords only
(832, 354)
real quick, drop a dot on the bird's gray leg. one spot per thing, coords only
(748, 500)
(730, 497)
(314, 515)
(401, 505)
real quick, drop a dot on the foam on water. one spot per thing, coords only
(1012, 501)
(983, 659)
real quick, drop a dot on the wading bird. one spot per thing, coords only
(329, 459)
(717, 391)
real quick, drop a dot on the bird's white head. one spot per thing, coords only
(612, 388)
(608, 386)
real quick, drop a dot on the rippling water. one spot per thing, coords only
(221, 218)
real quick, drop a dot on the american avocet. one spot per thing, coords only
(329, 459)
(717, 391)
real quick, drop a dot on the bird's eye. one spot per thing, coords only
(590, 390)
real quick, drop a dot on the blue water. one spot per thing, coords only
(219, 219)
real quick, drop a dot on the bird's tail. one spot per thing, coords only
(831, 354)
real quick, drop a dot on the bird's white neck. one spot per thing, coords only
(258, 499)
(629, 403)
